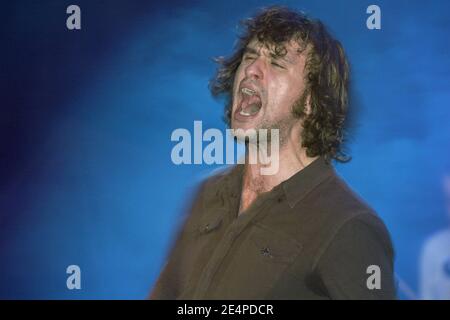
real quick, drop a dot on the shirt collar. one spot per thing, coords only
(295, 188)
(301, 183)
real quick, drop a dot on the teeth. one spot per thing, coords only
(243, 113)
(248, 91)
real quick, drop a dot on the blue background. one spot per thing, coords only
(86, 116)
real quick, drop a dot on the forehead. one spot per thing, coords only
(288, 50)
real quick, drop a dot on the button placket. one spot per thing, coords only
(233, 230)
(215, 262)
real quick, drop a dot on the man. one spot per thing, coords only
(435, 258)
(300, 233)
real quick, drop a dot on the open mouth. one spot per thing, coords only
(250, 103)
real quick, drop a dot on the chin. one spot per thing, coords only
(244, 132)
(235, 125)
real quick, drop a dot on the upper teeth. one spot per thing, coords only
(248, 91)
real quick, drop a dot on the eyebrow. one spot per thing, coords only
(251, 50)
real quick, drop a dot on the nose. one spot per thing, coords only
(254, 69)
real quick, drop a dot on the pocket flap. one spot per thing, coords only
(211, 221)
(275, 246)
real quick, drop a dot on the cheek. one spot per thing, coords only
(281, 96)
(237, 79)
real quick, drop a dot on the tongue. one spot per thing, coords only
(251, 104)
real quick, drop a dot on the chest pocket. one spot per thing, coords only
(254, 266)
(272, 247)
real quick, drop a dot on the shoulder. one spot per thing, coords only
(206, 192)
(334, 203)
(347, 203)
(344, 216)
(211, 180)
(225, 177)
(218, 175)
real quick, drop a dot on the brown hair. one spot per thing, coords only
(327, 75)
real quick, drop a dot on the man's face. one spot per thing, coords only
(266, 87)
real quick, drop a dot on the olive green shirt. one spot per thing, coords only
(310, 237)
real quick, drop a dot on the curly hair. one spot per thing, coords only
(327, 75)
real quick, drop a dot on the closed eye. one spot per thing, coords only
(277, 65)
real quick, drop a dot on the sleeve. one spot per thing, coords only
(357, 263)
(167, 286)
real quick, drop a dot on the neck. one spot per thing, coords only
(292, 159)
